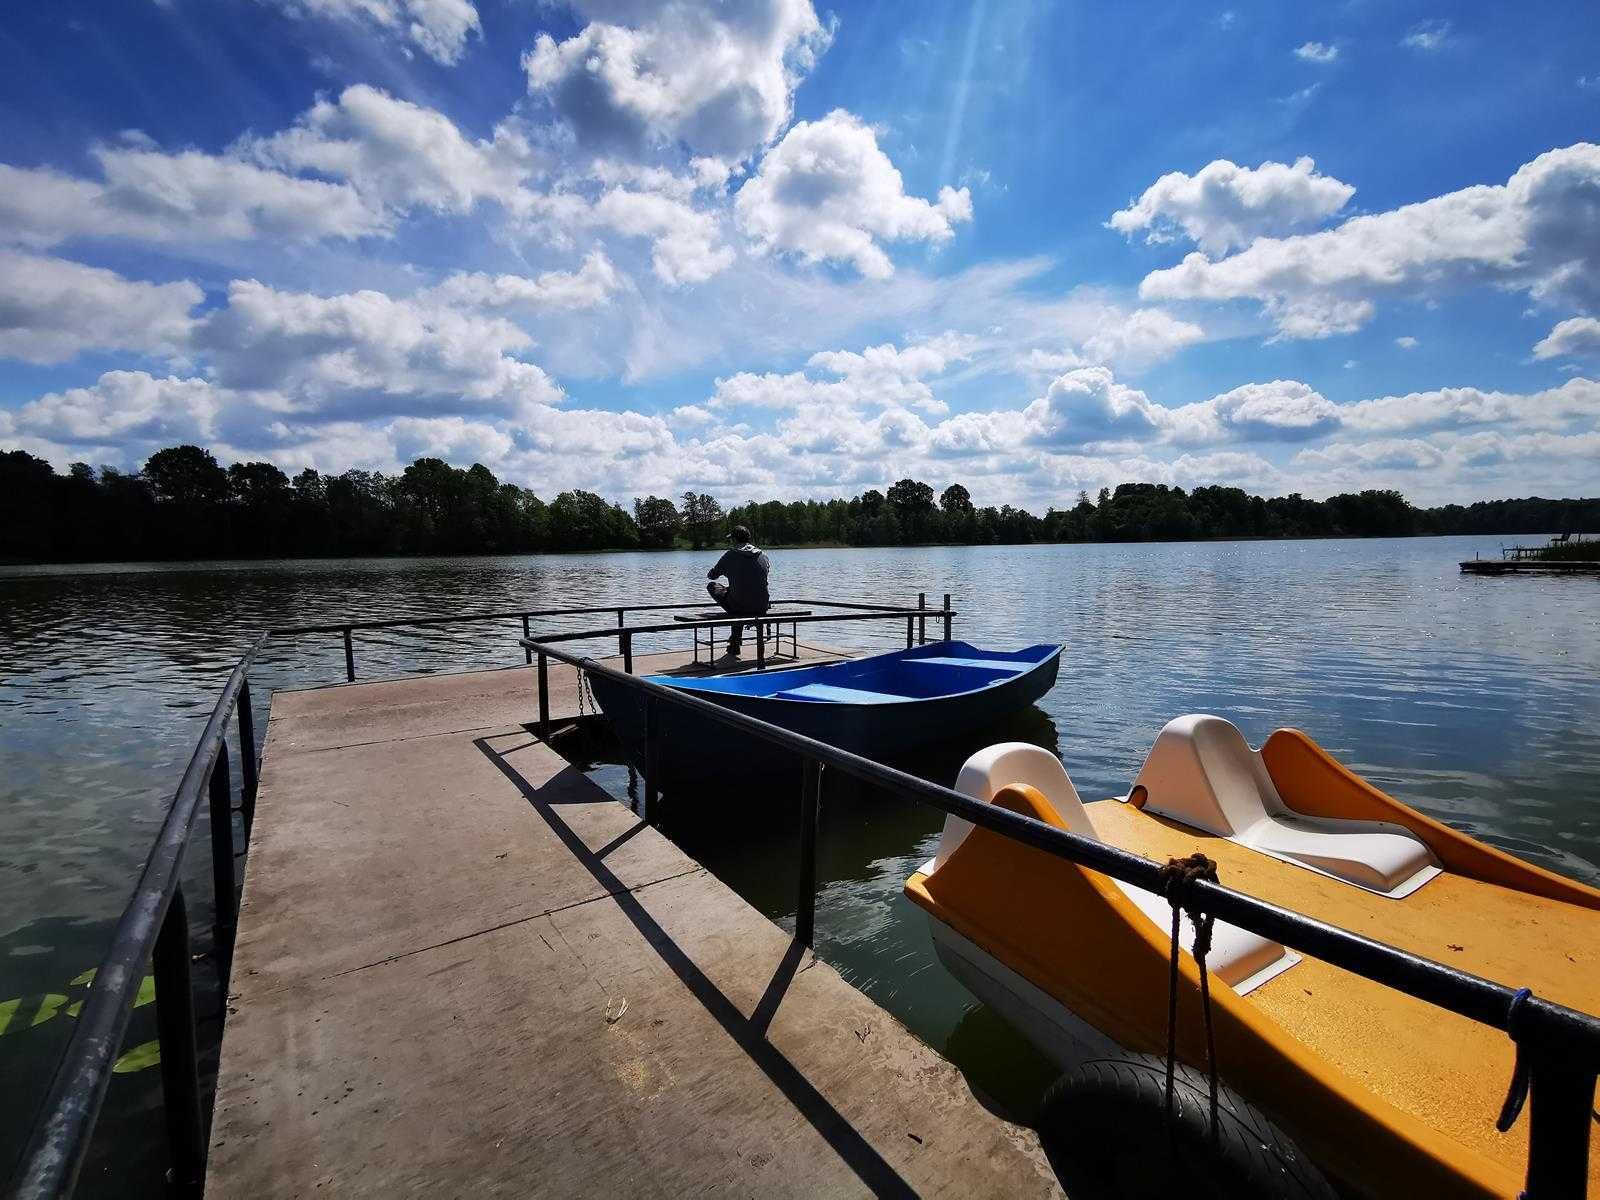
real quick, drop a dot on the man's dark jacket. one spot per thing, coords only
(746, 568)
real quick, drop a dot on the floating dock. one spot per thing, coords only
(1530, 566)
(464, 969)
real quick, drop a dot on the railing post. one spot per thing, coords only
(922, 622)
(805, 914)
(544, 697)
(911, 629)
(620, 621)
(349, 657)
(247, 754)
(947, 616)
(222, 851)
(180, 1079)
(625, 638)
(1560, 1096)
(761, 645)
(652, 759)
(527, 651)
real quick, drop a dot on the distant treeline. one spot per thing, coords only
(183, 504)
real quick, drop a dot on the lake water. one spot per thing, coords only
(1474, 699)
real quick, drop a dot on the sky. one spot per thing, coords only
(771, 249)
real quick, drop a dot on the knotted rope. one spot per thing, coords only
(1176, 878)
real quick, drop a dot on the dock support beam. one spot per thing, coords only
(761, 645)
(652, 759)
(247, 755)
(1560, 1097)
(947, 616)
(922, 622)
(349, 657)
(544, 698)
(527, 651)
(805, 913)
(180, 1076)
(222, 854)
(626, 638)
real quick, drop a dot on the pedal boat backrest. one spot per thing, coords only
(1202, 773)
(1241, 959)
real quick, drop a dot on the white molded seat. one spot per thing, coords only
(1241, 959)
(1202, 773)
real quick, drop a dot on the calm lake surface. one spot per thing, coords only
(1476, 700)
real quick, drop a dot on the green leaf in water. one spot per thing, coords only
(27, 1011)
(147, 1054)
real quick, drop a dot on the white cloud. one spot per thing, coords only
(685, 247)
(1224, 206)
(877, 378)
(1140, 338)
(1427, 35)
(52, 310)
(1539, 233)
(1284, 410)
(826, 192)
(590, 286)
(719, 78)
(125, 407)
(150, 196)
(1406, 342)
(1571, 338)
(398, 154)
(1316, 52)
(1454, 408)
(1088, 405)
(439, 28)
(364, 352)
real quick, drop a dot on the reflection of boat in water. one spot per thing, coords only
(1384, 1093)
(881, 706)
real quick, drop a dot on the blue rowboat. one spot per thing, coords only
(880, 706)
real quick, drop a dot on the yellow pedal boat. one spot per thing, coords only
(1383, 1093)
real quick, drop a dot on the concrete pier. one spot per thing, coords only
(463, 969)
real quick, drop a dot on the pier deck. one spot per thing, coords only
(463, 969)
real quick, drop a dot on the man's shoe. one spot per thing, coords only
(728, 656)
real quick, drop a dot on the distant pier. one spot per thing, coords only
(463, 969)
(1530, 566)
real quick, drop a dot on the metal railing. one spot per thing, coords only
(349, 628)
(154, 926)
(1560, 1045)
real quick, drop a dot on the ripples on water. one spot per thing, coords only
(1476, 700)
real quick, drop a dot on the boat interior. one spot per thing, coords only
(1289, 825)
(925, 672)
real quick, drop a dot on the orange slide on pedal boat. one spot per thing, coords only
(1347, 1085)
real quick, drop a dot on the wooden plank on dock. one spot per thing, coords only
(463, 969)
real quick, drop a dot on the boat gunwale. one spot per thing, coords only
(889, 700)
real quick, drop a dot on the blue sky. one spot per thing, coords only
(772, 249)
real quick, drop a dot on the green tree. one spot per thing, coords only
(658, 521)
(186, 475)
(703, 519)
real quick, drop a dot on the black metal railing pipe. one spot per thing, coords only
(587, 610)
(54, 1153)
(1461, 992)
(909, 615)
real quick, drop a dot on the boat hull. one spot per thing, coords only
(697, 748)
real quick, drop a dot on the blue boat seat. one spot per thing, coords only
(988, 664)
(836, 695)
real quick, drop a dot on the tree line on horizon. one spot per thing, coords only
(183, 504)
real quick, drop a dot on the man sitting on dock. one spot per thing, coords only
(745, 593)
